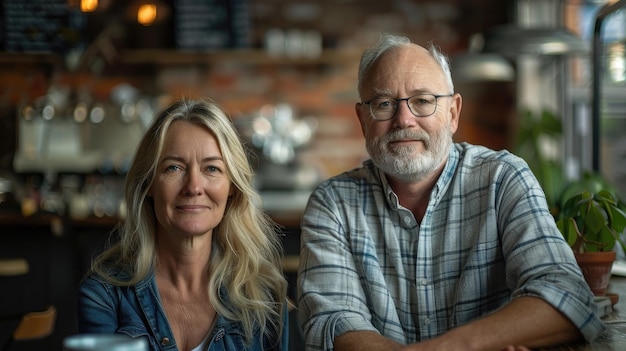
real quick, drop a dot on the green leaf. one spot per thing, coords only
(550, 124)
(607, 237)
(595, 220)
(617, 218)
(591, 247)
(572, 206)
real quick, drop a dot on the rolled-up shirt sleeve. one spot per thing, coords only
(332, 300)
(539, 262)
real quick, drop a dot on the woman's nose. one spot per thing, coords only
(193, 182)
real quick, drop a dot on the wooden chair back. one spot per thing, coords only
(36, 325)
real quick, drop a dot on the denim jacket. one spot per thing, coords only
(136, 311)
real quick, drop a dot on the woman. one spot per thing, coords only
(197, 264)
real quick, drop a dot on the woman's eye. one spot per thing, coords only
(212, 169)
(172, 168)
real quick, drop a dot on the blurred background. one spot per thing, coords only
(81, 79)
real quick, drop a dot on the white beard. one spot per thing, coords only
(405, 162)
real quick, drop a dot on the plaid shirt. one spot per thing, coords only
(487, 237)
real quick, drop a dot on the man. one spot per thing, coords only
(432, 244)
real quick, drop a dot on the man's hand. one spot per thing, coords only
(516, 348)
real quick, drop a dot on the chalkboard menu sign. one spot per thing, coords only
(211, 24)
(40, 26)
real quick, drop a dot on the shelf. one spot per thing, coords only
(35, 58)
(164, 57)
(249, 56)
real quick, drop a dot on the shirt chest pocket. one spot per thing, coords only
(233, 339)
(137, 331)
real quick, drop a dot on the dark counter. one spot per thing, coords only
(59, 251)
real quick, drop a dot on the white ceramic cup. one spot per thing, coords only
(104, 342)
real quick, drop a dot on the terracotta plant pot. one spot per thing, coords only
(596, 268)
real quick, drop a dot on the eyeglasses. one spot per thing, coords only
(421, 105)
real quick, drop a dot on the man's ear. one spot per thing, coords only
(358, 109)
(455, 111)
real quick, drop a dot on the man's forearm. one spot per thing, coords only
(364, 341)
(526, 321)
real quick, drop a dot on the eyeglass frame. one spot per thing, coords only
(398, 100)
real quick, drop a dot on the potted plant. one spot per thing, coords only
(592, 219)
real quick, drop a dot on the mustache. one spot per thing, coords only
(406, 134)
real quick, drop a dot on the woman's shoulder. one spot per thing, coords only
(109, 271)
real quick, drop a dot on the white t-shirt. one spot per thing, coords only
(204, 344)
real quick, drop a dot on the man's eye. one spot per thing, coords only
(384, 104)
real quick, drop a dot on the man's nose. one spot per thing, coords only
(403, 116)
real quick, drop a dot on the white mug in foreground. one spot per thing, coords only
(102, 342)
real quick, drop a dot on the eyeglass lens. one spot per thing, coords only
(422, 105)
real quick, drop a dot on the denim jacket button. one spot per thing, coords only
(165, 341)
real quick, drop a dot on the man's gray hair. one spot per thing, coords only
(390, 41)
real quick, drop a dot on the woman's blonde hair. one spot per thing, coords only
(245, 265)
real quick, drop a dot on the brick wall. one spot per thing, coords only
(325, 90)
